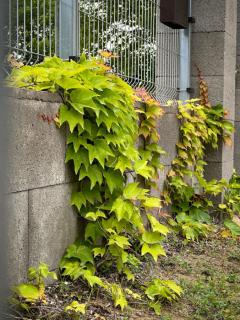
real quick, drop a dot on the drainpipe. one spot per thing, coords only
(185, 59)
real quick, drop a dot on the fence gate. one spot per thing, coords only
(127, 33)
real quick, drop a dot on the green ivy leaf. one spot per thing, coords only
(72, 269)
(143, 169)
(99, 251)
(99, 151)
(76, 307)
(157, 226)
(79, 158)
(123, 163)
(152, 203)
(78, 200)
(93, 232)
(27, 291)
(70, 116)
(133, 192)
(151, 237)
(156, 306)
(91, 195)
(120, 241)
(123, 209)
(233, 227)
(77, 141)
(81, 252)
(83, 98)
(91, 279)
(94, 173)
(93, 216)
(67, 83)
(118, 296)
(114, 179)
(155, 250)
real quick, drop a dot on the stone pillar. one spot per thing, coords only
(214, 52)
(237, 110)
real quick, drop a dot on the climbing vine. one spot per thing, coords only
(98, 108)
(186, 189)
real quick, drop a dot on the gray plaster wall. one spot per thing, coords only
(39, 184)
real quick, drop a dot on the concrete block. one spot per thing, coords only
(53, 225)
(208, 15)
(230, 17)
(219, 170)
(215, 15)
(160, 181)
(238, 65)
(227, 170)
(213, 170)
(168, 129)
(238, 10)
(229, 96)
(237, 105)
(215, 85)
(17, 251)
(237, 147)
(36, 148)
(44, 96)
(208, 53)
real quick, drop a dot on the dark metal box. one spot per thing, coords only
(174, 13)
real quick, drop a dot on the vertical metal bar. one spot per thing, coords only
(142, 43)
(110, 28)
(44, 27)
(50, 27)
(10, 24)
(31, 32)
(185, 56)
(135, 42)
(117, 35)
(24, 28)
(84, 27)
(121, 34)
(93, 29)
(79, 27)
(153, 57)
(98, 18)
(38, 40)
(102, 19)
(151, 61)
(132, 44)
(17, 26)
(130, 53)
(56, 25)
(126, 38)
(60, 49)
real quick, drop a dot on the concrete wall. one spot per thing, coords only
(214, 52)
(237, 110)
(42, 222)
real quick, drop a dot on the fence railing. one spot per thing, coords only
(127, 33)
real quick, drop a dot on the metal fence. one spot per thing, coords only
(127, 33)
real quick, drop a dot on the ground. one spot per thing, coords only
(208, 271)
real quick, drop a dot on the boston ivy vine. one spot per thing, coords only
(98, 108)
(186, 189)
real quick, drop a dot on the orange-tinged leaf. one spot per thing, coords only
(228, 141)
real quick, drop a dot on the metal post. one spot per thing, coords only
(68, 26)
(185, 60)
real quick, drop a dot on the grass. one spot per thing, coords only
(208, 271)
